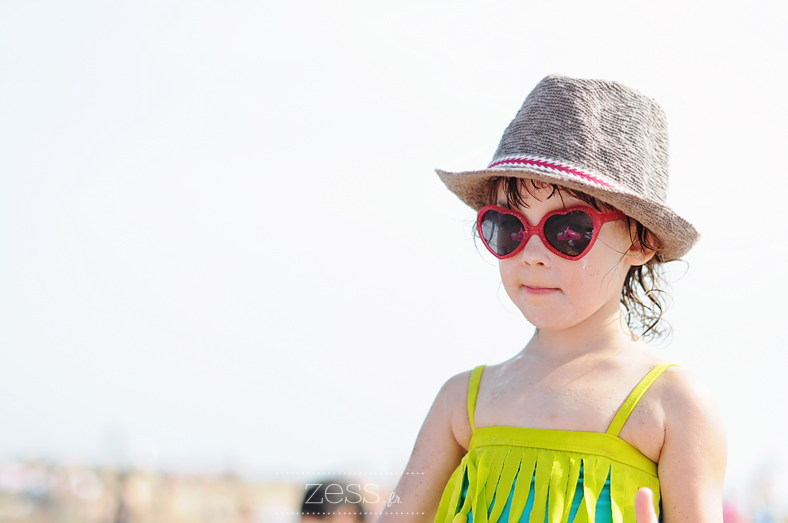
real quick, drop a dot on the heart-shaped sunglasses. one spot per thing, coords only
(569, 233)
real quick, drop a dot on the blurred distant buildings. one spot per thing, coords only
(39, 492)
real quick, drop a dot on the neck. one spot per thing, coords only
(604, 333)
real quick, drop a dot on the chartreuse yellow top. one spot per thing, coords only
(524, 475)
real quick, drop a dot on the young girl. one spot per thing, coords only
(585, 423)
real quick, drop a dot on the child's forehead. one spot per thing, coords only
(528, 195)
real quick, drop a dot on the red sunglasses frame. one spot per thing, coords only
(597, 218)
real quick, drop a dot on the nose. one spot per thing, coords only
(535, 253)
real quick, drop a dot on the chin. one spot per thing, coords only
(550, 320)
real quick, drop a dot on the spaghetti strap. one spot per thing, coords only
(473, 392)
(629, 405)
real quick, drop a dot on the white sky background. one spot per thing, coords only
(224, 243)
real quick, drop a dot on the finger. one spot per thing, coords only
(644, 506)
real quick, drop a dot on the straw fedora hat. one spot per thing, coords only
(598, 137)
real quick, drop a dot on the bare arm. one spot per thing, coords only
(435, 456)
(694, 455)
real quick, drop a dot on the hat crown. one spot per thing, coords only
(597, 126)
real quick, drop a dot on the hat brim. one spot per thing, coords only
(676, 235)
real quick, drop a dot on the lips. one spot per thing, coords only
(539, 290)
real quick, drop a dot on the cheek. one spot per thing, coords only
(589, 278)
(507, 274)
(580, 281)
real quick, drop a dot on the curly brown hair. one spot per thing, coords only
(643, 296)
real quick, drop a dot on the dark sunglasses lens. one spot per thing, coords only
(503, 233)
(569, 233)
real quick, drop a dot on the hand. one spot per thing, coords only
(644, 506)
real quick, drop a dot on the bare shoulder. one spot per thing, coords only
(454, 394)
(678, 425)
(435, 456)
(678, 404)
(457, 384)
(683, 394)
(693, 457)
(688, 404)
(686, 409)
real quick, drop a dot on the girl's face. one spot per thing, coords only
(554, 293)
